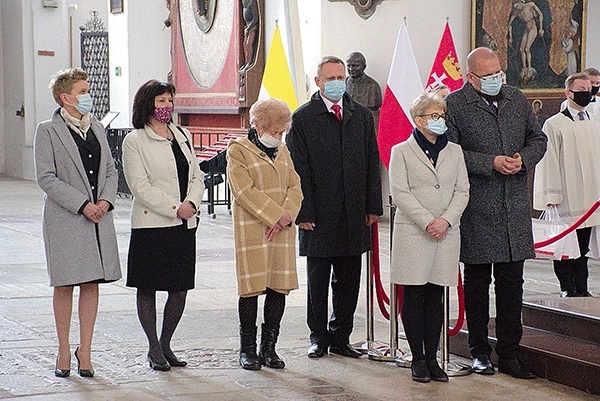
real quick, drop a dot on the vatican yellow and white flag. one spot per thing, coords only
(277, 79)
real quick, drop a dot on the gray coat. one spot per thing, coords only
(338, 165)
(73, 252)
(496, 225)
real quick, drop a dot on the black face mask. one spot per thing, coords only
(595, 90)
(582, 98)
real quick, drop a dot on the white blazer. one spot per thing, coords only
(151, 174)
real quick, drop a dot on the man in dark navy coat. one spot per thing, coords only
(333, 146)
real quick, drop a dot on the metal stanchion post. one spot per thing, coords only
(450, 367)
(368, 344)
(392, 353)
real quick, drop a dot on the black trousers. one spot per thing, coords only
(345, 285)
(508, 286)
(572, 274)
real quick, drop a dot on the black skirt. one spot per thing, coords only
(162, 259)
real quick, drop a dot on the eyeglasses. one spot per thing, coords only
(434, 116)
(492, 76)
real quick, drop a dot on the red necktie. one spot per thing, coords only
(337, 111)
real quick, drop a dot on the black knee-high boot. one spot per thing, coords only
(273, 311)
(247, 309)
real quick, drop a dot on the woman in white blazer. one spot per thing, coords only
(430, 188)
(163, 175)
(75, 169)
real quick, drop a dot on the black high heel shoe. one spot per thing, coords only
(61, 372)
(163, 367)
(83, 372)
(175, 361)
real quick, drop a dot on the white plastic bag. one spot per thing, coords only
(548, 225)
(594, 252)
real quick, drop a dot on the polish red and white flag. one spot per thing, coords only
(403, 86)
(445, 69)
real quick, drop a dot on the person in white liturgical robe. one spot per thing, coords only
(594, 106)
(569, 176)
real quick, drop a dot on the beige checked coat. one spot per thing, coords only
(262, 190)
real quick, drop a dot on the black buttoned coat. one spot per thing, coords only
(338, 165)
(496, 225)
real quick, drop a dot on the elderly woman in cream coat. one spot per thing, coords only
(430, 188)
(266, 200)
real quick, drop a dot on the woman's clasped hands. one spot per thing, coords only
(438, 228)
(283, 222)
(94, 212)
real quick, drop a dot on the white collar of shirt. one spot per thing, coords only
(575, 113)
(329, 103)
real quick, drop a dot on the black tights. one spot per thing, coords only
(273, 310)
(422, 317)
(146, 306)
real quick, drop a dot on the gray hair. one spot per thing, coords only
(423, 102)
(271, 114)
(328, 59)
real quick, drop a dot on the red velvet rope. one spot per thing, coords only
(569, 230)
(452, 331)
(382, 298)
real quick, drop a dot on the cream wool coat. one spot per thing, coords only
(422, 192)
(569, 173)
(262, 190)
(151, 174)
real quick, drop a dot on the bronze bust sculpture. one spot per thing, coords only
(363, 89)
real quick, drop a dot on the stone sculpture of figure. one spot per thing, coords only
(527, 12)
(251, 18)
(363, 89)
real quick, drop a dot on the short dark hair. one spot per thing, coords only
(143, 101)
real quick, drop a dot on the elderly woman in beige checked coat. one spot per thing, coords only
(266, 200)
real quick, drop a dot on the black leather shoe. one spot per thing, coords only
(583, 294)
(515, 368)
(61, 372)
(436, 373)
(83, 372)
(176, 362)
(482, 365)
(420, 371)
(163, 367)
(316, 351)
(345, 350)
(567, 294)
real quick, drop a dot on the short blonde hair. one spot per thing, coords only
(424, 102)
(63, 82)
(271, 114)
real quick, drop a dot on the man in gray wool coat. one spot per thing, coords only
(502, 142)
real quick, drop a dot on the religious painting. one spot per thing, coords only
(539, 42)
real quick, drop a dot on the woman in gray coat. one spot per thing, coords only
(75, 169)
(430, 188)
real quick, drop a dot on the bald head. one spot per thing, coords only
(480, 56)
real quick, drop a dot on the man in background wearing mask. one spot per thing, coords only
(501, 140)
(594, 106)
(332, 143)
(568, 178)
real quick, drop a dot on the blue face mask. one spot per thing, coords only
(438, 126)
(334, 90)
(85, 103)
(491, 85)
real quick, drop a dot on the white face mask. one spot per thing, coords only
(269, 141)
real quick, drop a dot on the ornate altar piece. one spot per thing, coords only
(217, 52)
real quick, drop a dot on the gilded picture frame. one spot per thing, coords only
(539, 42)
